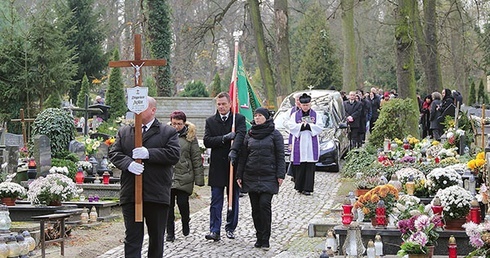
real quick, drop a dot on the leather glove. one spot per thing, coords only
(229, 136)
(136, 168)
(141, 153)
(232, 156)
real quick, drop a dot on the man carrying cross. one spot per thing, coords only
(160, 151)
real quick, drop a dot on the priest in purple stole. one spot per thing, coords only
(305, 145)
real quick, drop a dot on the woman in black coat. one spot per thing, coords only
(261, 170)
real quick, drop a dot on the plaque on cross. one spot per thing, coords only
(137, 64)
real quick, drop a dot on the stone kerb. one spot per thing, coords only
(196, 109)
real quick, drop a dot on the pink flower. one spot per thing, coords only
(419, 238)
(422, 222)
(476, 242)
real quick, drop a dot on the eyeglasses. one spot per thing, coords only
(177, 124)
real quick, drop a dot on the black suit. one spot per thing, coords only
(219, 166)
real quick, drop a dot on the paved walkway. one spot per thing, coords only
(292, 213)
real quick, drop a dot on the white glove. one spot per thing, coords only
(136, 168)
(141, 153)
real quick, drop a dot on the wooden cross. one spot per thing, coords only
(137, 63)
(23, 121)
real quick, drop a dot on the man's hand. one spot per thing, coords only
(136, 168)
(141, 153)
(232, 156)
(239, 182)
(229, 136)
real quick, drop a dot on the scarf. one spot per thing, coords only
(261, 131)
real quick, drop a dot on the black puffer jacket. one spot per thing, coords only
(261, 160)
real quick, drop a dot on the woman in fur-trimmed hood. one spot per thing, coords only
(187, 172)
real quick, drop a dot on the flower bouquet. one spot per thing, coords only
(418, 232)
(440, 178)
(452, 137)
(455, 201)
(479, 235)
(368, 182)
(369, 201)
(405, 206)
(418, 177)
(477, 164)
(91, 146)
(11, 190)
(59, 170)
(85, 165)
(51, 189)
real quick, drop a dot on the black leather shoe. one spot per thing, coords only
(306, 193)
(213, 236)
(258, 244)
(265, 245)
(170, 238)
(230, 235)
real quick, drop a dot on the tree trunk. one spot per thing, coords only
(457, 45)
(433, 72)
(261, 50)
(405, 70)
(283, 72)
(349, 71)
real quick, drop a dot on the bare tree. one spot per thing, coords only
(283, 64)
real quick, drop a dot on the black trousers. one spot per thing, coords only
(304, 176)
(155, 216)
(355, 138)
(182, 198)
(261, 215)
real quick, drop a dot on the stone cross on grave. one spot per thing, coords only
(137, 64)
(23, 121)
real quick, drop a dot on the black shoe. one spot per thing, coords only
(258, 244)
(230, 235)
(265, 245)
(185, 228)
(170, 238)
(306, 193)
(213, 236)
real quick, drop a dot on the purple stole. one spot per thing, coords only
(298, 119)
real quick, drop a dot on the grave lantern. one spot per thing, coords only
(371, 252)
(475, 213)
(452, 247)
(347, 216)
(410, 185)
(106, 177)
(437, 209)
(5, 221)
(79, 177)
(353, 242)
(31, 169)
(378, 245)
(13, 246)
(331, 241)
(30, 240)
(380, 214)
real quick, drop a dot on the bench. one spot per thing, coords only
(52, 217)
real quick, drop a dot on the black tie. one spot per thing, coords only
(223, 118)
(144, 128)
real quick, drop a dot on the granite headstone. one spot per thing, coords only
(42, 154)
(78, 148)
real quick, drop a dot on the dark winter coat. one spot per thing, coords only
(163, 146)
(219, 166)
(355, 111)
(262, 159)
(375, 106)
(435, 113)
(189, 170)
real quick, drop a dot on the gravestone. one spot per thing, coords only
(102, 152)
(78, 148)
(42, 154)
(2, 146)
(14, 140)
(12, 158)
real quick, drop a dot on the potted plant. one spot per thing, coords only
(51, 190)
(10, 191)
(440, 178)
(455, 201)
(479, 238)
(369, 201)
(366, 183)
(419, 234)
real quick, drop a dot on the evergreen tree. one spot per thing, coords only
(319, 68)
(160, 34)
(216, 85)
(53, 101)
(115, 93)
(195, 89)
(87, 40)
(84, 90)
(481, 93)
(472, 95)
(152, 86)
(53, 65)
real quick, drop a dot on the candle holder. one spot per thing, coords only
(79, 177)
(381, 214)
(347, 216)
(452, 247)
(437, 210)
(475, 212)
(410, 185)
(106, 177)
(353, 245)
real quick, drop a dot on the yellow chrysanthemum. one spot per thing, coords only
(480, 155)
(435, 143)
(365, 210)
(471, 164)
(374, 198)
